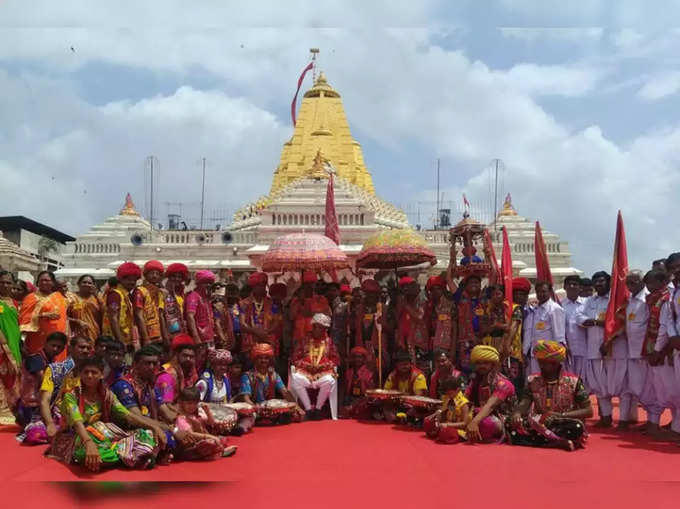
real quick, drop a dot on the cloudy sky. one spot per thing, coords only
(581, 103)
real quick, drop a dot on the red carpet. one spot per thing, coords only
(350, 464)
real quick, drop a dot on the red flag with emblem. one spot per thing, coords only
(615, 319)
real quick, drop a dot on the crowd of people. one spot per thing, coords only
(158, 366)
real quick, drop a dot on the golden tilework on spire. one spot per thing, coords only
(322, 126)
(129, 207)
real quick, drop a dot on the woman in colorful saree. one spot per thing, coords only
(10, 347)
(91, 438)
(42, 313)
(85, 311)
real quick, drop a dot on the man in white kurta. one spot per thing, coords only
(575, 334)
(668, 342)
(637, 375)
(605, 376)
(547, 322)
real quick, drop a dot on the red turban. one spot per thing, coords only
(370, 286)
(177, 268)
(309, 276)
(128, 269)
(345, 289)
(181, 340)
(257, 279)
(406, 280)
(205, 276)
(278, 290)
(153, 265)
(436, 281)
(521, 283)
(262, 349)
(359, 350)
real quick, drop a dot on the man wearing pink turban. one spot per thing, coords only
(198, 309)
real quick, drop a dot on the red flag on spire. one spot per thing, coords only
(293, 105)
(615, 319)
(506, 270)
(332, 229)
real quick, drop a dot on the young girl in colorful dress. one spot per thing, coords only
(194, 419)
(447, 425)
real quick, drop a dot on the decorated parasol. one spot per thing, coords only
(391, 249)
(303, 251)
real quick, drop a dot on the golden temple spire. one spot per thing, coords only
(508, 209)
(129, 207)
(322, 129)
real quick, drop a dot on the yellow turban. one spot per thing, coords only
(550, 351)
(484, 353)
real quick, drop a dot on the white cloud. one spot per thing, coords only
(572, 35)
(399, 92)
(660, 85)
(627, 38)
(80, 160)
(553, 79)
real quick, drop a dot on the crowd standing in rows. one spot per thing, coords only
(143, 372)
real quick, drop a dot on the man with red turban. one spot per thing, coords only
(258, 322)
(358, 379)
(305, 306)
(119, 319)
(180, 372)
(173, 305)
(148, 300)
(367, 316)
(440, 316)
(412, 335)
(198, 309)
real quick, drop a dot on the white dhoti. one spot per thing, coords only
(666, 388)
(299, 383)
(639, 387)
(577, 366)
(596, 380)
(617, 371)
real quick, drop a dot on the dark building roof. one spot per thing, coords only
(13, 223)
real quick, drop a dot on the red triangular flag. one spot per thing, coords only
(332, 228)
(615, 319)
(542, 264)
(493, 261)
(293, 105)
(506, 270)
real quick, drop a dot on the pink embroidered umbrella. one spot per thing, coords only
(391, 249)
(303, 251)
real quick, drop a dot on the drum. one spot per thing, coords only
(273, 408)
(225, 418)
(243, 409)
(382, 395)
(422, 402)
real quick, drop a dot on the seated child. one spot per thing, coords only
(194, 419)
(447, 425)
